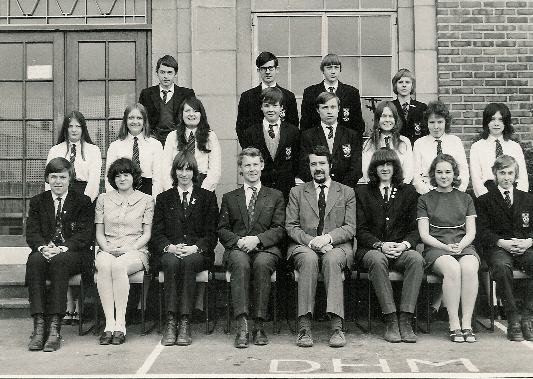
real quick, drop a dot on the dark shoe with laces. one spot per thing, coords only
(184, 333)
(305, 338)
(469, 336)
(53, 342)
(337, 339)
(170, 331)
(406, 329)
(514, 331)
(106, 337)
(392, 331)
(457, 336)
(527, 328)
(38, 336)
(118, 338)
(241, 339)
(260, 338)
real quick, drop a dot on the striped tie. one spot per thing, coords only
(499, 149)
(73, 158)
(251, 205)
(135, 155)
(439, 147)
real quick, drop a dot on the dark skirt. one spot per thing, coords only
(432, 253)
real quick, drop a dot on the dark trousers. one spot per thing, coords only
(410, 263)
(260, 265)
(180, 280)
(58, 270)
(501, 265)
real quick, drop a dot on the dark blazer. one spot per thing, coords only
(151, 99)
(378, 221)
(249, 110)
(346, 154)
(350, 114)
(280, 171)
(269, 219)
(414, 127)
(78, 225)
(196, 226)
(495, 220)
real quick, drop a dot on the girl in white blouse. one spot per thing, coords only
(135, 142)
(386, 133)
(495, 140)
(195, 136)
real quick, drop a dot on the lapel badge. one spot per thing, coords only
(282, 114)
(347, 150)
(525, 219)
(193, 201)
(345, 114)
(288, 153)
(393, 192)
(418, 129)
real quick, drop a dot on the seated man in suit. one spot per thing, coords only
(278, 141)
(387, 235)
(58, 231)
(505, 231)
(349, 99)
(249, 110)
(163, 101)
(184, 235)
(251, 228)
(343, 143)
(321, 224)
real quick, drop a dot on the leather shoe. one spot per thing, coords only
(406, 330)
(305, 338)
(260, 337)
(169, 334)
(392, 331)
(241, 339)
(106, 338)
(118, 338)
(184, 333)
(37, 337)
(527, 328)
(514, 332)
(53, 342)
(337, 339)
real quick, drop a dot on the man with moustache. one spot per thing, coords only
(321, 224)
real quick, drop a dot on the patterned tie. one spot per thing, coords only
(405, 109)
(191, 143)
(387, 142)
(499, 149)
(321, 210)
(73, 158)
(271, 133)
(184, 202)
(331, 89)
(58, 239)
(251, 205)
(439, 147)
(507, 199)
(135, 155)
(386, 194)
(330, 133)
(165, 93)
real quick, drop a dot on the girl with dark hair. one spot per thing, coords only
(193, 136)
(386, 133)
(495, 141)
(447, 226)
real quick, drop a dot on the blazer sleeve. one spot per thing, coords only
(291, 115)
(346, 232)
(93, 183)
(308, 107)
(275, 234)
(365, 237)
(83, 233)
(292, 220)
(34, 236)
(355, 171)
(305, 147)
(208, 241)
(485, 235)
(226, 235)
(360, 122)
(413, 235)
(159, 239)
(215, 167)
(144, 97)
(243, 116)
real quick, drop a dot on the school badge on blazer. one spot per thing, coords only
(525, 219)
(282, 114)
(418, 129)
(347, 150)
(346, 114)
(288, 153)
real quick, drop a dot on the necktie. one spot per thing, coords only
(251, 205)
(184, 202)
(331, 89)
(165, 93)
(405, 109)
(191, 143)
(135, 155)
(387, 142)
(439, 147)
(386, 194)
(73, 158)
(58, 239)
(507, 199)
(499, 149)
(330, 133)
(271, 133)
(321, 210)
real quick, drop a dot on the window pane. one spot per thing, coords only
(377, 35)
(304, 72)
(97, 132)
(11, 178)
(283, 75)
(11, 95)
(12, 67)
(34, 176)
(273, 35)
(342, 4)
(39, 60)
(343, 37)
(305, 35)
(92, 99)
(39, 138)
(121, 94)
(376, 76)
(114, 127)
(11, 139)
(306, 4)
(271, 4)
(39, 100)
(350, 71)
(91, 60)
(122, 60)
(381, 4)
(10, 217)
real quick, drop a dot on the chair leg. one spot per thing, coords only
(369, 310)
(206, 305)
(80, 302)
(160, 299)
(491, 302)
(143, 309)
(275, 308)
(228, 301)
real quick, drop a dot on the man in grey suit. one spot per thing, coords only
(320, 220)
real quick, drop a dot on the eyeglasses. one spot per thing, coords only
(267, 68)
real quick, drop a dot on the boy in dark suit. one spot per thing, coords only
(59, 231)
(278, 141)
(249, 110)
(505, 231)
(163, 101)
(342, 143)
(251, 227)
(351, 116)
(387, 235)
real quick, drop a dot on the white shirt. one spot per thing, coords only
(150, 154)
(189, 193)
(248, 192)
(327, 183)
(510, 190)
(56, 201)
(88, 166)
(404, 152)
(382, 190)
(169, 93)
(263, 85)
(482, 157)
(425, 150)
(335, 86)
(325, 129)
(208, 163)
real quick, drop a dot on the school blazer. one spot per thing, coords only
(414, 126)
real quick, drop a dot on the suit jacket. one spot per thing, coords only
(151, 99)
(339, 219)
(78, 225)
(280, 171)
(414, 127)
(249, 110)
(346, 156)
(495, 220)
(377, 221)
(350, 114)
(196, 226)
(269, 219)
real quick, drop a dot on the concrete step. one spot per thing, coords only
(12, 274)
(13, 291)
(14, 308)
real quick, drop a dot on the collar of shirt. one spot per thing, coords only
(63, 197)
(263, 85)
(441, 138)
(503, 194)
(140, 137)
(493, 139)
(335, 86)
(188, 132)
(266, 125)
(382, 188)
(247, 187)
(325, 128)
(170, 91)
(327, 183)
(189, 191)
(132, 199)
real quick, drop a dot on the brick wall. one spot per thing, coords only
(485, 54)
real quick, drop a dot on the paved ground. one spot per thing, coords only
(214, 354)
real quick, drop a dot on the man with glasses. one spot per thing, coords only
(249, 111)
